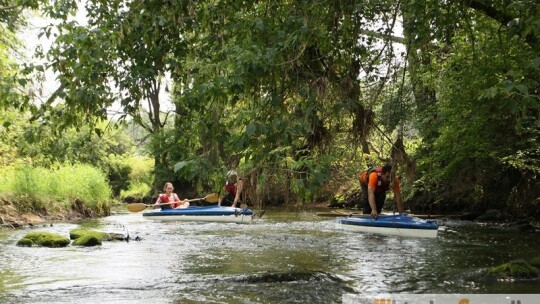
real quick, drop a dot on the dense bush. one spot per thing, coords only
(41, 190)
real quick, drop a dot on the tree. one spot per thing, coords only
(294, 93)
(284, 92)
(474, 68)
(296, 73)
(120, 56)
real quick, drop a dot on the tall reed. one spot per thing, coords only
(44, 190)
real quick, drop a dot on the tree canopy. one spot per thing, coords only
(303, 95)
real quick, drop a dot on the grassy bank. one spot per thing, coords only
(62, 191)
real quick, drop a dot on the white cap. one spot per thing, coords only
(232, 173)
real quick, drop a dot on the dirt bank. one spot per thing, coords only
(12, 217)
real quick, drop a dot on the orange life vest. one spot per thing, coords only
(381, 186)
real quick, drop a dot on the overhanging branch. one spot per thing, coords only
(501, 17)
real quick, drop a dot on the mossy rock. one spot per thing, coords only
(101, 236)
(515, 270)
(44, 239)
(87, 240)
(25, 242)
(535, 262)
(78, 233)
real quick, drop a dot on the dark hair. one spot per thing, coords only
(386, 168)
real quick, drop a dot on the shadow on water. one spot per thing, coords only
(283, 258)
(287, 287)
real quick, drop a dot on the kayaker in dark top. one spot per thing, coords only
(233, 190)
(375, 183)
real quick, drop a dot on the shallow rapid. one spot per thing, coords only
(286, 257)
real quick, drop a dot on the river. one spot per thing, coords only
(285, 257)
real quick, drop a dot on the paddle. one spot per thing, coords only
(136, 207)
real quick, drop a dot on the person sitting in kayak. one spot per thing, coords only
(170, 197)
(233, 190)
(375, 183)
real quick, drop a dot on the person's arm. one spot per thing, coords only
(372, 185)
(239, 186)
(372, 202)
(177, 201)
(185, 203)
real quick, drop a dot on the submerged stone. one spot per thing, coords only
(101, 236)
(87, 240)
(25, 242)
(78, 233)
(515, 270)
(535, 262)
(522, 226)
(115, 237)
(45, 239)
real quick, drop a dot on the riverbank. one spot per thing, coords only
(12, 216)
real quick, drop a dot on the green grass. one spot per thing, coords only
(48, 190)
(141, 170)
(140, 177)
(135, 190)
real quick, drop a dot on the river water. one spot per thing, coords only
(285, 257)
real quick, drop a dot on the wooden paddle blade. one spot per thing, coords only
(212, 198)
(136, 207)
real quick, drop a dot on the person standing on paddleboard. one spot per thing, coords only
(375, 183)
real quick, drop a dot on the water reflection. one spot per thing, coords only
(283, 258)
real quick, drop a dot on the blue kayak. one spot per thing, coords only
(398, 224)
(212, 213)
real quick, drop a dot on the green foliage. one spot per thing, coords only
(119, 171)
(339, 198)
(480, 123)
(267, 100)
(140, 177)
(41, 145)
(10, 20)
(136, 190)
(40, 189)
(274, 99)
(288, 94)
(141, 170)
